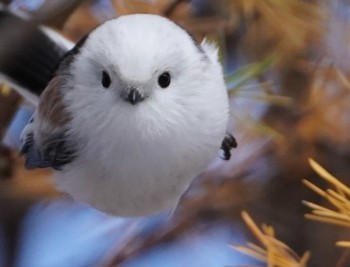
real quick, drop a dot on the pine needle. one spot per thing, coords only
(273, 252)
(338, 197)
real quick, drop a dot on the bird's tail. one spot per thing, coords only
(29, 54)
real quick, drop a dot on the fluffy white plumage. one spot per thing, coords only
(136, 159)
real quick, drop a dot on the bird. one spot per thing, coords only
(130, 116)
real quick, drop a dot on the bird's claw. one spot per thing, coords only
(228, 143)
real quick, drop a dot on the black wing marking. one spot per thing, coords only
(60, 152)
(33, 158)
(228, 143)
(27, 143)
(57, 152)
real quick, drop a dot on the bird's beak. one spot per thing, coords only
(133, 96)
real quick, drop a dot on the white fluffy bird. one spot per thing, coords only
(133, 113)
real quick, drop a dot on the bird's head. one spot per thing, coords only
(143, 65)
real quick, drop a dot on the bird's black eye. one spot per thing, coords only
(164, 80)
(106, 80)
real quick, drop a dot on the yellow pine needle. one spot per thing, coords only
(328, 177)
(268, 230)
(335, 203)
(256, 248)
(344, 244)
(315, 206)
(254, 228)
(338, 197)
(305, 258)
(274, 252)
(340, 192)
(327, 220)
(333, 215)
(330, 197)
(314, 188)
(341, 202)
(251, 252)
(325, 212)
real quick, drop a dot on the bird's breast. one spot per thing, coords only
(142, 164)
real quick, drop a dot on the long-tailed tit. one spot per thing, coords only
(133, 113)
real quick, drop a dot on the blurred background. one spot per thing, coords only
(287, 65)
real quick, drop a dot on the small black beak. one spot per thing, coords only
(133, 96)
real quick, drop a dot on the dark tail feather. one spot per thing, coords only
(28, 56)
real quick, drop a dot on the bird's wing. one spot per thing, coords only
(55, 150)
(45, 140)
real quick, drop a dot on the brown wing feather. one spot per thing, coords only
(51, 106)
